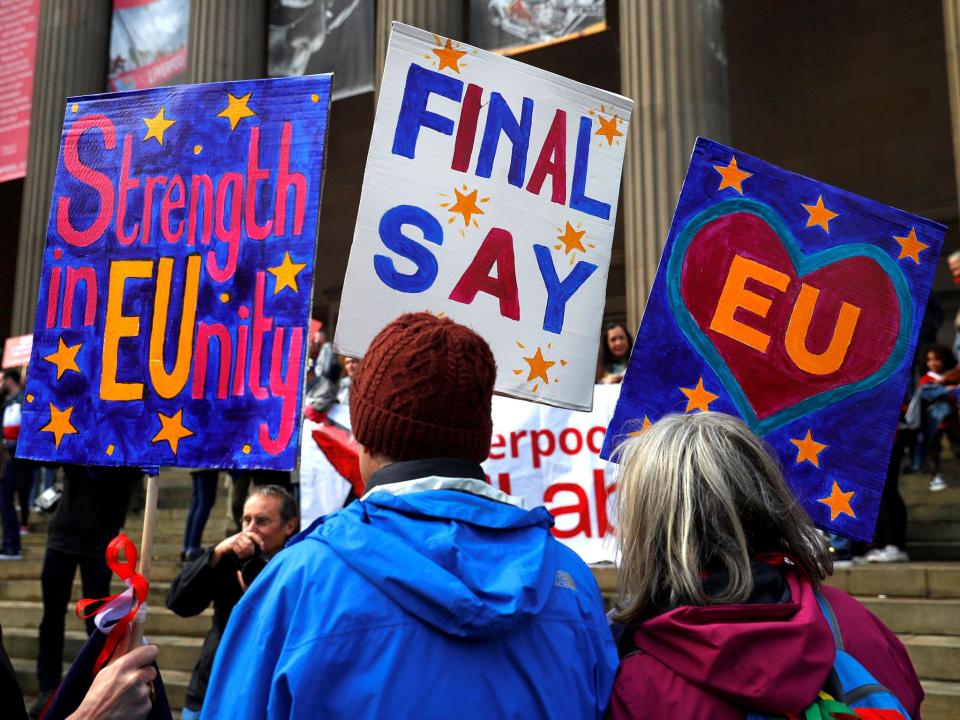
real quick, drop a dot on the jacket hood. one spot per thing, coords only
(766, 657)
(457, 554)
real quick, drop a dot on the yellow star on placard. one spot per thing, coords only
(698, 398)
(643, 428)
(157, 126)
(732, 176)
(172, 430)
(466, 205)
(910, 247)
(236, 109)
(819, 214)
(65, 358)
(808, 449)
(286, 274)
(539, 366)
(608, 128)
(838, 502)
(449, 57)
(59, 424)
(571, 239)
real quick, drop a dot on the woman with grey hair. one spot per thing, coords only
(720, 576)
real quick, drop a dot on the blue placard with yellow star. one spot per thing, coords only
(795, 306)
(177, 277)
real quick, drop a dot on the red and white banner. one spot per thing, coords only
(16, 351)
(18, 40)
(545, 455)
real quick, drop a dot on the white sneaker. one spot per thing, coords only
(871, 555)
(938, 483)
(889, 554)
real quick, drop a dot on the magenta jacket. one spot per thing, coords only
(719, 662)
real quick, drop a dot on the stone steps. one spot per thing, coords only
(31, 590)
(26, 614)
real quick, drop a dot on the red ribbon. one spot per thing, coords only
(126, 571)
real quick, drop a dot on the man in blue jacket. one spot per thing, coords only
(435, 595)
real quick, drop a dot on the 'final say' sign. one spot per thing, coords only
(490, 196)
(796, 306)
(177, 277)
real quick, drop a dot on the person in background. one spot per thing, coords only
(953, 263)
(223, 573)
(720, 584)
(939, 410)
(349, 366)
(204, 498)
(433, 595)
(615, 346)
(890, 534)
(17, 473)
(91, 512)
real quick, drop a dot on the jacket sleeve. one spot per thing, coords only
(194, 588)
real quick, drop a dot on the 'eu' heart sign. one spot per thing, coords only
(795, 306)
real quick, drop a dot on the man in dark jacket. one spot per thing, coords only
(91, 512)
(223, 573)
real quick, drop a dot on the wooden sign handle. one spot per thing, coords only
(146, 544)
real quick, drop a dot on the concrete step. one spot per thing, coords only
(938, 531)
(160, 621)
(942, 700)
(916, 616)
(932, 513)
(935, 657)
(175, 681)
(934, 550)
(30, 589)
(176, 652)
(917, 580)
(30, 567)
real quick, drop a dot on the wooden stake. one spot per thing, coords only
(146, 544)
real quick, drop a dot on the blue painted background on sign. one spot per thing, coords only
(209, 193)
(851, 426)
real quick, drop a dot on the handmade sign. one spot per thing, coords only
(794, 305)
(490, 196)
(16, 351)
(177, 277)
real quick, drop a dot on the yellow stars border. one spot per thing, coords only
(838, 502)
(808, 449)
(571, 239)
(172, 430)
(910, 246)
(644, 426)
(157, 126)
(65, 358)
(538, 367)
(820, 215)
(59, 424)
(732, 176)
(466, 205)
(286, 274)
(698, 398)
(609, 126)
(236, 109)
(449, 56)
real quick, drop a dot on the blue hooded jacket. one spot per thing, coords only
(432, 598)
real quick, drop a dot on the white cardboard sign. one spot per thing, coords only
(489, 196)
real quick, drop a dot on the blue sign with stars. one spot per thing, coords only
(795, 306)
(177, 277)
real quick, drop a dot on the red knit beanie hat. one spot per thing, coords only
(423, 390)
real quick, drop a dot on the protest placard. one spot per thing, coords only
(795, 306)
(16, 351)
(490, 196)
(177, 277)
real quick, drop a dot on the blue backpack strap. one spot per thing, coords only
(831, 617)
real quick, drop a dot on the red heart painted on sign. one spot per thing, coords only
(784, 337)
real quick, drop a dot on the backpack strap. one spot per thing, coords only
(831, 618)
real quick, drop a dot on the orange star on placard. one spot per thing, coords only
(643, 428)
(172, 430)
(449, 57)
(698, 398)
(466, 205)
(571, 239)
(808, 449)
(59, 424)
(539, 366)
(838, 502)
(236, 109)
(910, 247)
(286, 274)
(157, 126)
(819, 215)
(65, 358)
(732, 176)
(608, 128)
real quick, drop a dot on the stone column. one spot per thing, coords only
(951, 25)
(72, 52)
(228, 40)
(673, 64)
(443, 17)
